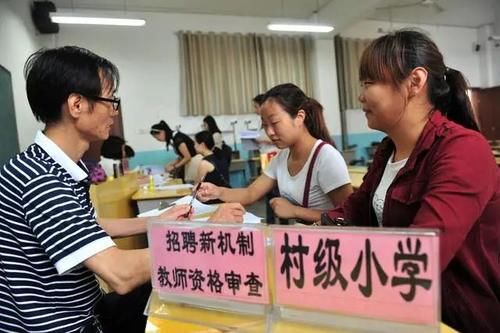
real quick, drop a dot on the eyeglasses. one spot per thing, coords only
(115, 101)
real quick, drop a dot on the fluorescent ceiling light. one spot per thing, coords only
(300, 27)
(70, 19)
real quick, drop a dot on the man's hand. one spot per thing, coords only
(283, 208)
(228, 212)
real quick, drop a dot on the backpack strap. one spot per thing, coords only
(307, 187)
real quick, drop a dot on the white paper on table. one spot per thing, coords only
(153, 212)
(247, 218)
(174, 187)
(251, 218)
(199, 208)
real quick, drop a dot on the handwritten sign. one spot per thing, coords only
(224, 262)
(377, 274)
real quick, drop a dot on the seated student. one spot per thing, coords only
(311, 174)
(185, 166)
(51, 242)
(434, 170)
(113, 151)
(213, 167)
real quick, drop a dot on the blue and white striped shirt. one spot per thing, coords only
(47, 229)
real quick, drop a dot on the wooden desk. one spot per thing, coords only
(148, 200)
(112, 199)
(357, 173)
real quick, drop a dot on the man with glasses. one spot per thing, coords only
(51, 242)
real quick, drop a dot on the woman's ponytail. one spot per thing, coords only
(457, 106)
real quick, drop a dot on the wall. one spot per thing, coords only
(149, 66)
(18, 39)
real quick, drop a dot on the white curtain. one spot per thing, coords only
(222, 72)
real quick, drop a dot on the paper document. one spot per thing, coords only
(201, 211)
(173, 187)
(199, 208)
(154, 212)
(247, 218)
(249, 134)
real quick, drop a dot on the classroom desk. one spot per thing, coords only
(357, 173)
(148, 200)
(112, 199)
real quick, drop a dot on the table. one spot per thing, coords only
(148, 200)
(112, 199)
(187, 319)
(357, 173)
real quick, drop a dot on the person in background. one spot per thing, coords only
(213, 167)
(185, 166)
(434, 170)
(51, 242)
(311, 174)
(220, 147)
(210, 125)
(114, 151)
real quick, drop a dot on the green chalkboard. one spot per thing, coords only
(9, 144)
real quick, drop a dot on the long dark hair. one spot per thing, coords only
(212, 125)
(162, 126)
(207, 138)
(392, 57)
(292, 99)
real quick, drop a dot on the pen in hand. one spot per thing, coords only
(195, 192)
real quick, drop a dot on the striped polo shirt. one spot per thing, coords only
(47, 229)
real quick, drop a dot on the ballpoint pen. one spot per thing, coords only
(194, 196)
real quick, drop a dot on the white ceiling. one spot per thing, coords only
(467, 13)
(300, 9)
